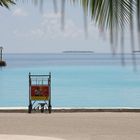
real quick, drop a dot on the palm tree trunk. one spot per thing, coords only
(55, 6)
(63, 14)
(85, 13)
(132, 39)
(138, 22)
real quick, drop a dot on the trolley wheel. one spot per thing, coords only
(50, 109)
(42, 109)
(30, 108)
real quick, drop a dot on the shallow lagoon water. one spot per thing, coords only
(78, 80)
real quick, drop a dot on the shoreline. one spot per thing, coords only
(71, 110)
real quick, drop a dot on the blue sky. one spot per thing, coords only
(25, 29)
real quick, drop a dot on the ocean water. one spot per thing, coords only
(78, 80)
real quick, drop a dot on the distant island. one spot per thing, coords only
(77, 52)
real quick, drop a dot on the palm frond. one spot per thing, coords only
(6, 3)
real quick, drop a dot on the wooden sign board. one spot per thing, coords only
(39, 92)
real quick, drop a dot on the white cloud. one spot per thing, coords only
(20, 12)
(50, 27)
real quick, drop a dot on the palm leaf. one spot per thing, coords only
(6, 3)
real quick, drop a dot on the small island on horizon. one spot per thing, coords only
(78, 52)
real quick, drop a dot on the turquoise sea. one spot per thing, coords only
(78, 80)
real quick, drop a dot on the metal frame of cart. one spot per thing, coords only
(39, 93)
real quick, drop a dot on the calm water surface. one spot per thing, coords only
(78, 80)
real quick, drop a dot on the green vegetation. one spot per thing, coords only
(6, 3)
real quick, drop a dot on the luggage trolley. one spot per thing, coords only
(39, 93)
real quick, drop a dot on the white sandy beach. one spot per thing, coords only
(70, 126)
(25, 137)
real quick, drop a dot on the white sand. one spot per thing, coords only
(71, 126)
(24, 137)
